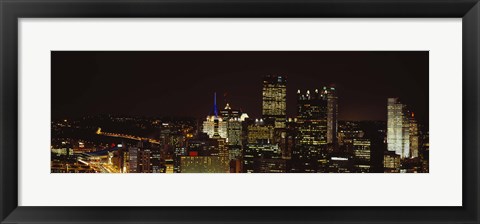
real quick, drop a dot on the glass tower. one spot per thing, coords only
(398, 128)
(332, 114)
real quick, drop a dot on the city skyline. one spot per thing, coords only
(299, 132)
(101, 82)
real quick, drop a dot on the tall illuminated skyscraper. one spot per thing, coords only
(332, 114)
(398, 128)
(311, 139)
(312, 116)
(274, 99)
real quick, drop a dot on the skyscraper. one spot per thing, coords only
(144, 164)
(414, 137)
(263, 157)
(214, 125)
(259, 130)
(233, 119)
(312, 118)
(311, 139)
(391, 162)
(361, 155)
(332, 114)
(133, 159)
(398, 128)
(274, 99)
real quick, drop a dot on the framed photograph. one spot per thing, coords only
(248, 112)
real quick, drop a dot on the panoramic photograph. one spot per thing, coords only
(239, 112)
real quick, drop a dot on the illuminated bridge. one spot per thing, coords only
(125, 136)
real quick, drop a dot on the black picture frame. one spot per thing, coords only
(12, 10)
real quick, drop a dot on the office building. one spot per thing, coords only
(414, 137)
(259, 130)
(144, 161)
(337, 164)
(398, 128)
(214, 125)
(274, 99)
(263, 157)
(133, 159)
(391, 162)
(361, 155)
(311, 137)
(204, 164)
(233, 119)
(332, 114)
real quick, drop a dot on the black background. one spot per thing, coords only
(182, 83)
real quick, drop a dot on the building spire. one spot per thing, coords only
(215, 110)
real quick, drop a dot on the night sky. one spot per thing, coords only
(182, 83)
